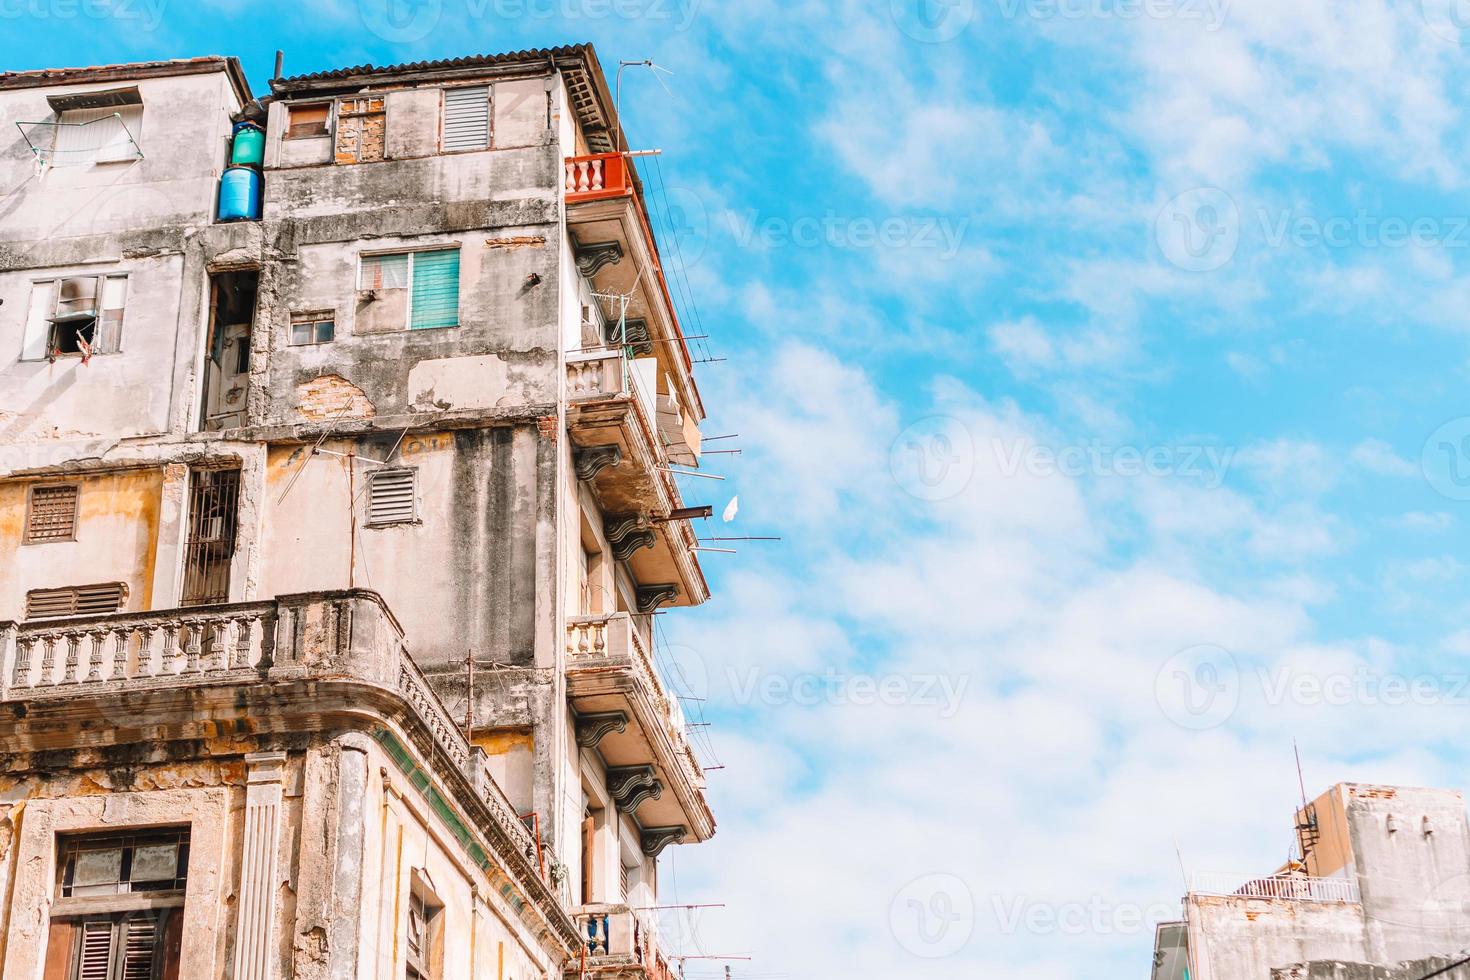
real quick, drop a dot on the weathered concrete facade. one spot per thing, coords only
(441, 365)
(1382, 887)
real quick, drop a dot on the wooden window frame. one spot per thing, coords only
(312, 318)
(329, 122)
(76, 512)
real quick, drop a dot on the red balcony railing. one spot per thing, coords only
(601, 175)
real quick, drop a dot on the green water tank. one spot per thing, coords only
(248, 149)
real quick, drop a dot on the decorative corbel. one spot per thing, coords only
(655, 839)
(635, 788)
(592, 460)
(592, 258)
(637, 338)
(622, 780)
(626, 535)
(650, 597)
(592, 729)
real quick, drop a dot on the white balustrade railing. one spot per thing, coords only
(1294, 888)
(335, 633)
(596, 374)
(598, 637)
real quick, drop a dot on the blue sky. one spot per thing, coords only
(1102, 364)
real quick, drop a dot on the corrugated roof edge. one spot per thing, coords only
(132, 70)
(530, 56)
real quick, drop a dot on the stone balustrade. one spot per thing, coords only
(348, 635)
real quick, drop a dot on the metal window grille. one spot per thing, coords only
(392, 497)
(77, 600)
(214, 497)
(52, 515)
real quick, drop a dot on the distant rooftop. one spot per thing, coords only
(139, 69)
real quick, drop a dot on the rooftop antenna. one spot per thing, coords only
(618, 92)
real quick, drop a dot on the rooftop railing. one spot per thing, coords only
(1293, 888)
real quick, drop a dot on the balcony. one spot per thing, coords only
(1291, 888)
(625, 712)
(620, 941)
(319, 661)
(614, 420)
(617, 252)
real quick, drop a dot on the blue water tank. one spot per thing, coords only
(239, 194)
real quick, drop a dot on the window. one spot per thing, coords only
(51, 513)
(430, 278)
(467, 118)
(361, 126)
(213, 522)
(308, 121)
(312, 328)
(76, 600)
(106, 135)
(99, 921)
(76, 316)
(424, 946)
(392, 497)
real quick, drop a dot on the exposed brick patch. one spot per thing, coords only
(333, 397)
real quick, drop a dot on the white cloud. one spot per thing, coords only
(1378, 457)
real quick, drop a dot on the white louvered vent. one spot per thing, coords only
(393, 497)
(95, 959)
(80, 600)
(467, 118)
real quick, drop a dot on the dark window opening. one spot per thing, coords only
(210, 549)
(227, 360)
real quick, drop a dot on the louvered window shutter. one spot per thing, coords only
(435, 289)
(140, 940)
(392, 497)
(94, 959)
(467, 118)
(84, 600)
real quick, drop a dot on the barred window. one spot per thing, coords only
(51, 514)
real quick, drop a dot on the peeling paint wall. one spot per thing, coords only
(116, 539)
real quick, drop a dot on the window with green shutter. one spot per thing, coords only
(435, 301)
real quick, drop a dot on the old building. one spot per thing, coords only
(338, 441)
(1380, 890)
